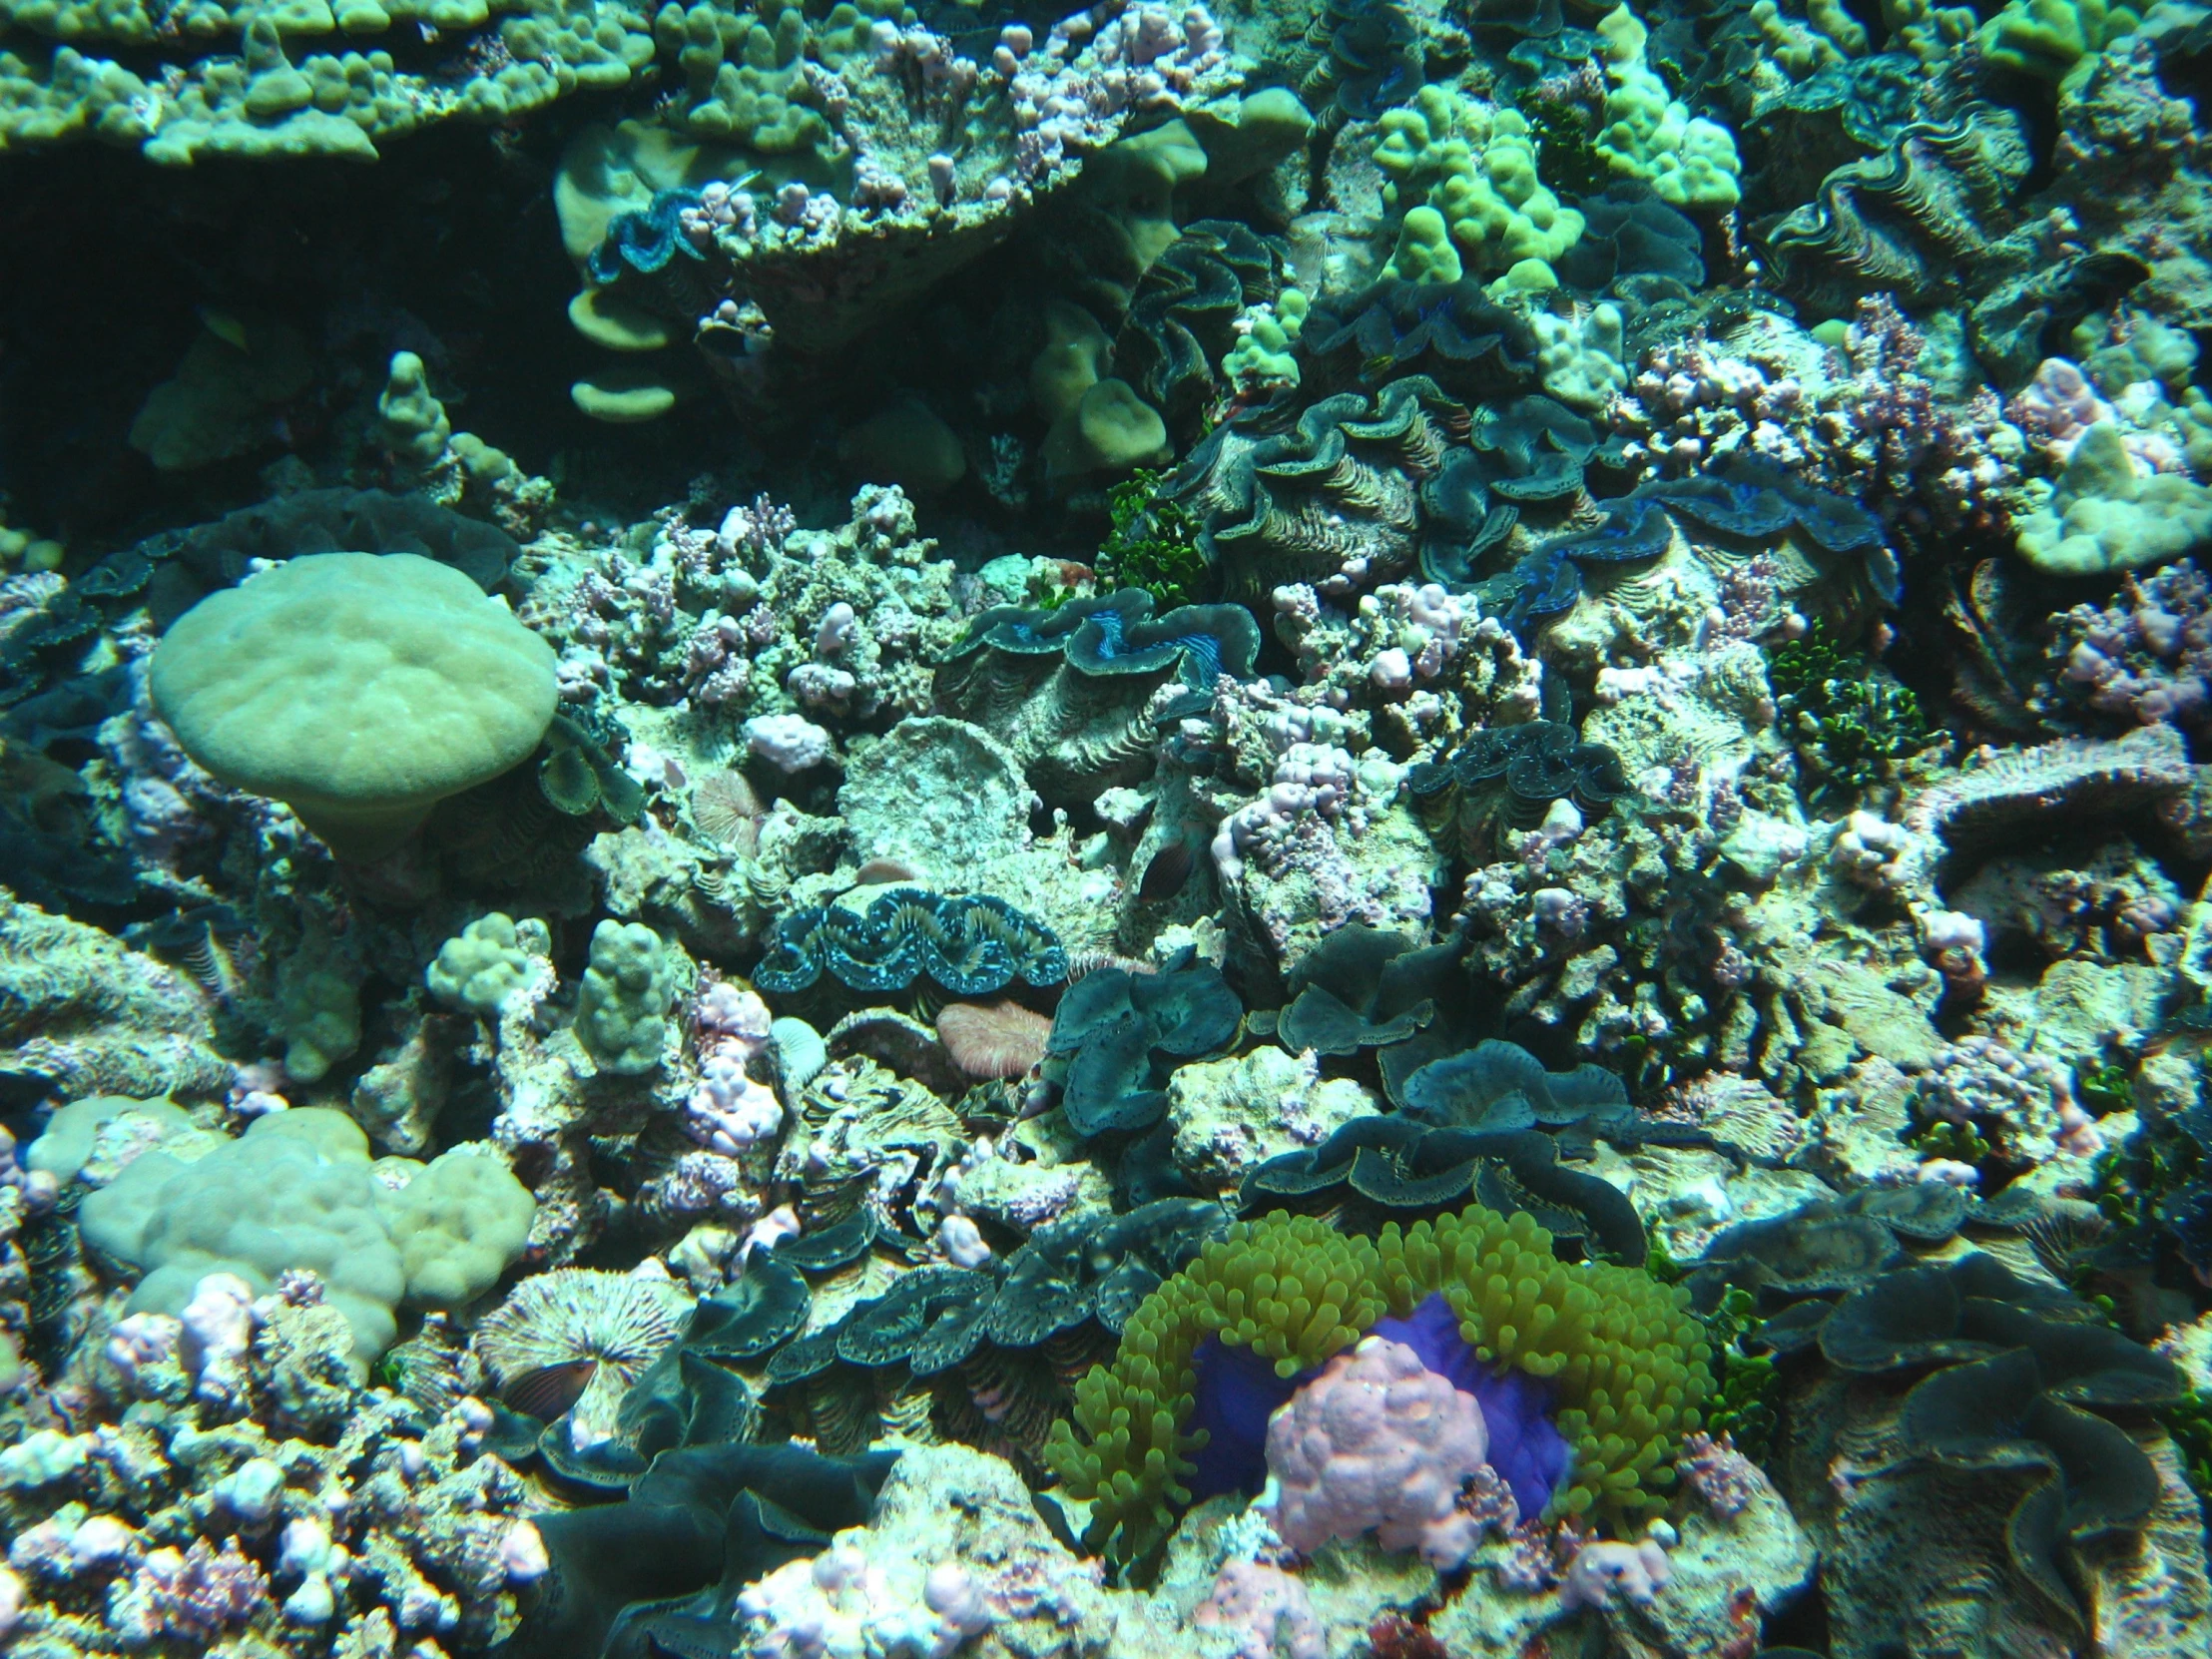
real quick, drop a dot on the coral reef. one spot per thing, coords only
(857, 830)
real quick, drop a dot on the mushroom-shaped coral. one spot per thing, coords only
(359, 690)
(2102, 517)
(295, 1192)
(457, 1224)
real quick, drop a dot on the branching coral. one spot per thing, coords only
(1151, 544)
(744, 617)
(1853, 726)
(2145, 656)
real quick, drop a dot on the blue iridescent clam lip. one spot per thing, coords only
(1117, 634)
(645, 240)
(971, 946)
(1747, 501)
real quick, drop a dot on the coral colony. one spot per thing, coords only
(1345, 830)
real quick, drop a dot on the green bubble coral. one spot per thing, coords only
(1287, 1287)
(1424, 252)
(1265, 356)
(410, 419)
(620, 1012)
(480, 967)
(1628, 1359)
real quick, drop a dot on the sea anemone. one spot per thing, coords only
(575, 1338)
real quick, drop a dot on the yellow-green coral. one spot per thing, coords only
(1265, 353)
(230, 78)
(1473, 168)
(1931, 33)
(2103, 516)
(1627, 1357)
(1689, 162)
(747, 76)
(2049, 38)
(1824, 36)
(1424, 252)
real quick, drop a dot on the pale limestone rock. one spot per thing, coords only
(1231, 1115)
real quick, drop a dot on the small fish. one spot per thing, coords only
(882, 872)
(548, 1392)
(1169, 872)
(224, 326)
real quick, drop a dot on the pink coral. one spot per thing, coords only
(2058, 406)
(1602, 1571)
(166, 800)
(1267, 1608)
(733, 1017)
(2024, 1103)
(751, 534)
(1069, 99)
(1378, 1442)
(700, 1183)
(187, 1595)
(1536, 1556)
(2146, 656)
(1723, 1477)
(729, 1111)
(217, 1326)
